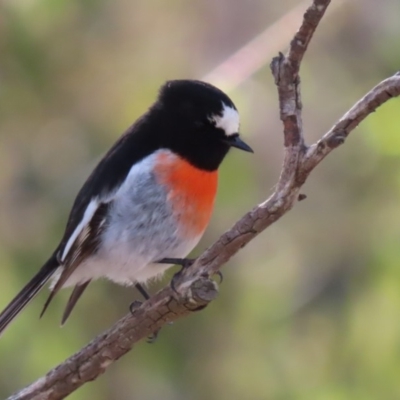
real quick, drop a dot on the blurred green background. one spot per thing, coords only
(308, 310)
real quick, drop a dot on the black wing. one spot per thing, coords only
(85, 245)
(106, 178)
(110, 173)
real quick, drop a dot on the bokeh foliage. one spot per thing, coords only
(311, 308)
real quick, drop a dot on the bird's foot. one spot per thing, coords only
(183, 262)
(136, 304)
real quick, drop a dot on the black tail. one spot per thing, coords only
(27, 293)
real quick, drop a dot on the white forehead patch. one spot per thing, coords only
(229, 120)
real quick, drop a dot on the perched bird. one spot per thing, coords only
(150, 198)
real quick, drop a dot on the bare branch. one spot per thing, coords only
(286, 72)
(91, 361)
(194, 289)
(336, 136)
(299, 44)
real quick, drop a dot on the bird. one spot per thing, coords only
(149, 200)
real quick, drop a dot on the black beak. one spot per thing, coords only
(235, 141)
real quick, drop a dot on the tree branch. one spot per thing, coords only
(194, 289)
(336, 136)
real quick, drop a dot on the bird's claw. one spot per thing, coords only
(134, 306)
(220, 276)
(153, 337)
(184, 263)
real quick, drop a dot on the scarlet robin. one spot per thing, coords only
(150, 198)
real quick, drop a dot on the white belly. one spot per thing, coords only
(124, 266)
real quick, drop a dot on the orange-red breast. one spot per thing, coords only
(150, 198)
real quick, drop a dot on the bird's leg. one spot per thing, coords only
(152, 338)
(138, 303)
(183, 262)
(142, 291)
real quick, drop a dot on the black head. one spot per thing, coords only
(198, 121)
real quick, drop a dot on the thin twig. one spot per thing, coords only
(336, 136)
